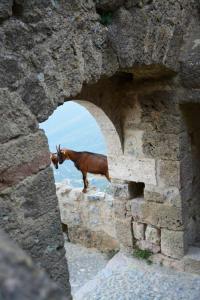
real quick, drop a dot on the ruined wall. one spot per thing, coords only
(20, 278)
(156, 152)
(90, 217)
(52, 51)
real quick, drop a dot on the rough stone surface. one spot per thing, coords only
(146, 245)
(84, 264)
(126, 278)
(152, 193)
(5, 9)
(172, 243)
(107, 5)
(90, 217)
(14, 115)
(124, 234)
(157, 214)
(152, 235)
(24, 211)
(169, 173)
(120, 191)
(21, 279)
(138, 230)
(143, 171)
(192, 260)
(52, 51)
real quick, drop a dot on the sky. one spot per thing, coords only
(73, 127)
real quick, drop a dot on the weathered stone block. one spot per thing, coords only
(32, 205)
(16, 119)
(168, 195)
(138, 230)
(159, 215)
(98, 196)
(146, 245)
(120, 191)
(29, 155)
(152, 235)
(120, 208)
(172, 243)
(123, 232)
(159, 145)
(132, 136)
(153, 194)
(173, 197)
(5, 9)
(144, 169)
(168, 173)
(136, 208)
(95, 239)
(19, 272)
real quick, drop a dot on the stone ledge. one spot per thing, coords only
(144, 169)
(156, 214)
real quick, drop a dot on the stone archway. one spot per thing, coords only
(55, 50)
(112, 139)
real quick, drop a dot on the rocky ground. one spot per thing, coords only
(84, 264)
(92, 277)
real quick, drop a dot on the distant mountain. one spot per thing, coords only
(73, 127)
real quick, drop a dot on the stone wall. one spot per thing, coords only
(54, 51)
(90, 217)
(21, 279)
(190, 173)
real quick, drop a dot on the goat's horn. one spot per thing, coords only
(59, 147)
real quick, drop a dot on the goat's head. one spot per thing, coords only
(60, 155)
(54, 159)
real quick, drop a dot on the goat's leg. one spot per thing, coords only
(107, 176)
(85, 182)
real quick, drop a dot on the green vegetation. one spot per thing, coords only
(106, 18)
(143, 254)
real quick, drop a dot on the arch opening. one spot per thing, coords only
(81, 126)
(87, 219)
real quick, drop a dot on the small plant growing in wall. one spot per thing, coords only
(143, 254)
(106, 18)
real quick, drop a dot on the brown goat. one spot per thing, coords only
(54, 159)
(86, 162)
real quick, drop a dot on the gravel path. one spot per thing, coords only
(125, 278)
(83, 264)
